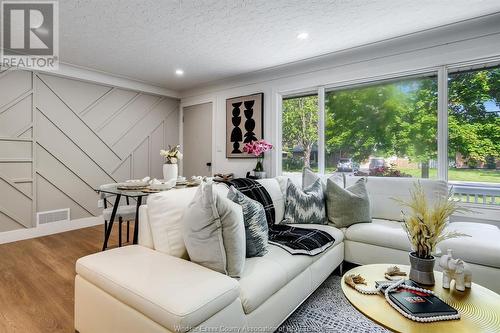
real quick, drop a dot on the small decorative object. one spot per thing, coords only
(172, 156)
(352, 280)
(425, 227)
(257, 149)
(455, 269)
(244, 123)
(394, 273)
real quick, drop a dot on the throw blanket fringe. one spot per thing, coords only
(292, 239)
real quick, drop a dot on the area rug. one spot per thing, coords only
(327, 310)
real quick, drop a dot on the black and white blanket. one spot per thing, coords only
(292, 239)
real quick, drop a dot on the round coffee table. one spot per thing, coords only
(479, 307)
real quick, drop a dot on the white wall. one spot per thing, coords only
(61, 137)
(459, 43)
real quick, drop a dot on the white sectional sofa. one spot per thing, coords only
(142, 288)
(384, 240)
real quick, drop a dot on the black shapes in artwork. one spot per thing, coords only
(249, 126)
(249, 109)
(236, 134)
(250, 122)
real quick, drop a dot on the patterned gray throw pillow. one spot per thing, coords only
(348, 206)
(256, 229)
(305, 206)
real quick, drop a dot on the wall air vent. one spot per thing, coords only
(59, 215)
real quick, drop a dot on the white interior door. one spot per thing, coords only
(197, 140)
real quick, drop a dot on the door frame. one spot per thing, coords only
(182, 105)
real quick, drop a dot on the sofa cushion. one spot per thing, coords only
(170, 291)
(256, 228)
(305, 206)
(347, 206)
(165, 211)
(382, 190)
(214, 232)
(383, 233)
(264, 276)
(272, 187)
(276, 187)
(482, 248)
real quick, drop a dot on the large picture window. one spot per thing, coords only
(393, 128)
(387, 129)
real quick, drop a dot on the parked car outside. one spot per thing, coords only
(376, 163)
(347, 165)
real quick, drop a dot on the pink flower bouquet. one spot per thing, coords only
(258, 148)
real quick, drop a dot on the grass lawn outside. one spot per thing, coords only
(462, 175)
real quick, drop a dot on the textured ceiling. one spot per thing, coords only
(210, 40)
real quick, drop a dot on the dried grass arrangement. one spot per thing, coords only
(425, 224)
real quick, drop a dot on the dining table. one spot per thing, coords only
(118, 192)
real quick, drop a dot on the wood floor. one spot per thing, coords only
(37, 279)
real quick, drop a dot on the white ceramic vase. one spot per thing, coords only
(259, 174)
(170, 171)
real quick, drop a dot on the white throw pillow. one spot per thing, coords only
(165, 210)
(214, 232)
(273, 187)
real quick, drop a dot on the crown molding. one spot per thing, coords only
(105, 78)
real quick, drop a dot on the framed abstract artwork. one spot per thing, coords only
(244, 123)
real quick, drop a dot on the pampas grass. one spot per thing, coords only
(425, 224)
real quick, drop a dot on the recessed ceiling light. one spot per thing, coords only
(302, 35)
(179, 72)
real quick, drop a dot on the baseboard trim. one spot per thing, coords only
(49, 229)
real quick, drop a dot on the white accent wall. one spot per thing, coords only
(460, 43)
(60, 138)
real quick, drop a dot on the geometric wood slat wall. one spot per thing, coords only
(60, 138)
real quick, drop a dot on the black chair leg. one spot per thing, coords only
(120, 221)
(128, 231)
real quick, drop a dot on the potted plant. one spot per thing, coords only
(258, 148)
(425, 226)
(172, 156)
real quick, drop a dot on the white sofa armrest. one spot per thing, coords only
(173, 292)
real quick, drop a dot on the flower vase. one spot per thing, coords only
(259, 174)
(170, 171)
(422, 270)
